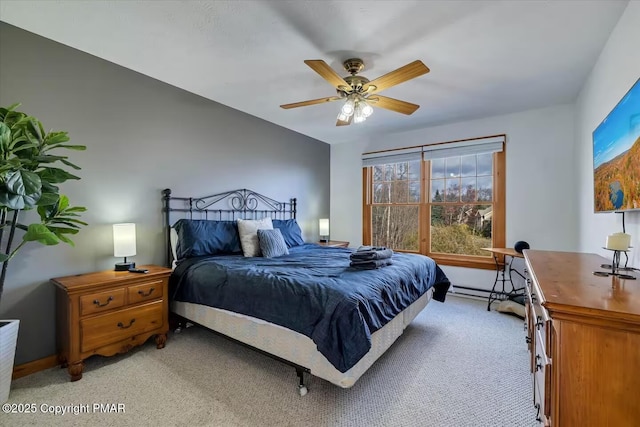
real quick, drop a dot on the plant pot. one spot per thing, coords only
(8, 340)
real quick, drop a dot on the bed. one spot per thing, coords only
(306, 306)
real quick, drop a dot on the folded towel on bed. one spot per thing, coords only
(371, 264)
(369, 253)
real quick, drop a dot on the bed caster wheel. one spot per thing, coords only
(302, 390)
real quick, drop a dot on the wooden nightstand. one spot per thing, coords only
(335, 244)
(109, 312)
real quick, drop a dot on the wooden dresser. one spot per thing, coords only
(109, 312)
(583, 332)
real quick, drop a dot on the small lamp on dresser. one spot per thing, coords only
(323, 225)
(124, 244)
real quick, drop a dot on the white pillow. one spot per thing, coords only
(248, 231)
(173, 238)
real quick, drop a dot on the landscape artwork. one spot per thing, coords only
(616, 156)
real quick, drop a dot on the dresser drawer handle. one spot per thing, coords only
(147, 294)
(538, 365)
(121, 325)
(97, 302)
(539, 322)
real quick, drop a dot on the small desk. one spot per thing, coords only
(503, 274)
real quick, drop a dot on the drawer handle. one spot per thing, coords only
(537, 406)
(97, 302)
(121, 325)
(538, 365)
(147, 294)
(539, 322)
(528, 340)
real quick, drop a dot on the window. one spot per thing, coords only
(445, 200)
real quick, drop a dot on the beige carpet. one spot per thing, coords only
(456, 365)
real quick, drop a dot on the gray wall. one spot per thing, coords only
(142, 135)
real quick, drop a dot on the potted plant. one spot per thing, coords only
(29, 175)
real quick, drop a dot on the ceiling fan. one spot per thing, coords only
(360, 93)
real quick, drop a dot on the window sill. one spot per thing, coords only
(488, 264)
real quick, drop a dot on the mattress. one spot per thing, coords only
(293, 346)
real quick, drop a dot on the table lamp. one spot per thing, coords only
(124, 244)
(323, 224)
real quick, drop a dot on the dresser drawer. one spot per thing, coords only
(113, 327)
(101, 301)
(145, 291)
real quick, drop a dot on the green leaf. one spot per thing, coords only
(5, 137)
(4, 111)
(55, 175)
(68, 163)
(21, 189)
(53, 138)
(23, 182)
(49, 188)
(40, 233)
(65, 239)
(47, 158)
(47, 199)
(3, 257)
(63, 203)
(48, 211)
(16, 202)
(71, 222)
(25, 146)
(63, 230)
(75, 209)
(35, 128)
(74, 147)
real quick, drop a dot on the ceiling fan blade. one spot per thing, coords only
(393, 104)
(345, 122)
(310, 102)
(402, 74)
(327, 73)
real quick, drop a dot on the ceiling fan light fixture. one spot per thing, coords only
(367, 109)
(359, 118)
(348, 107)
(343, 117)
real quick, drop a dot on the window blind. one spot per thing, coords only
(394, 156)
(463, 148)
(435, 151)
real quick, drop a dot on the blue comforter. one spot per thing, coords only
(312, 291)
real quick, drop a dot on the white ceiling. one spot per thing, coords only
(486, 57)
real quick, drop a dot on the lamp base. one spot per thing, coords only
(124, 266)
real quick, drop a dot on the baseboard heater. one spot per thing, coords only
(468, 288)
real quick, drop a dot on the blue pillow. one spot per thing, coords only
(204, 237)
(272, 243)
(290, 231)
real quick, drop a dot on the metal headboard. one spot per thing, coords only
(230, 205)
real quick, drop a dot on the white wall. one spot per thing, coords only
(616, 70)
(541, 198)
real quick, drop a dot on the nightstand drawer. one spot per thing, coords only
(101, 301)
(109, 328)
(145, 291)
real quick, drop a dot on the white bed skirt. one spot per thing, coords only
(293, 346)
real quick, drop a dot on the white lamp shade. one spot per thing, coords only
(323, 224)
(124, 240)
